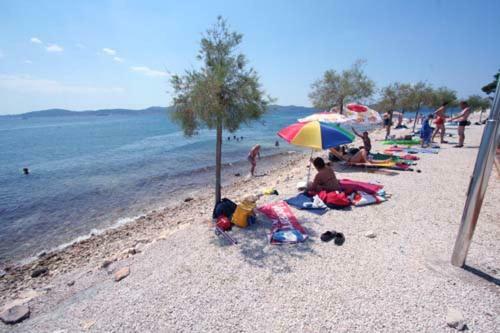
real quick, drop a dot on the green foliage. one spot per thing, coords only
(478, 102)
(335, 89)
(444, 95)
(392, 96)
(223, 91)
(491, 87)
(419, 94)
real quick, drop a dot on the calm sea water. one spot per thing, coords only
(89, 172)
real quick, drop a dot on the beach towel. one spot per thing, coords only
(305, 202)
(285, 228)
(401, 142)
(349, 186)
(422, 150)
(334, 199)
(361, 198)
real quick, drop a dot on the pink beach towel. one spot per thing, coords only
(349, 186)
(285, 227)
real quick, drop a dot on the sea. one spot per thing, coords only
(89, 173)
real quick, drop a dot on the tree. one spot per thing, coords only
(444, 95)
(392, 96)
(478, 102)
(491, 87)
(336, 89)
(420, 94)
(222, 94)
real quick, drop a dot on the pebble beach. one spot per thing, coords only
(167, 270)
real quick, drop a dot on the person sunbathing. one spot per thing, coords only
(325, 179)
(360, 157)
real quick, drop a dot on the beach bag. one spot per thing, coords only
(224, 207)
(334, 199)
(242, 214)
(223, 223)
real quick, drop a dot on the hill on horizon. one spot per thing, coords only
(153, 110)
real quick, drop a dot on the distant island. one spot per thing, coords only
(153, 110)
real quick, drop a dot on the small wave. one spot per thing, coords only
(93, 232)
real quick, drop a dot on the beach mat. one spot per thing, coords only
(349, 186)
(299, 200)
(401, 142)
(285, 228)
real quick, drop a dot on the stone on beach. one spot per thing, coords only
(15, 314)
(121, 273)
(370, 234)
(39, 271)
(455, 319)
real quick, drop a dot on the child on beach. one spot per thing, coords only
(426, 132)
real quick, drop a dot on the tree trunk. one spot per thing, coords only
(416, 117)
(341, 111)
(218, 162)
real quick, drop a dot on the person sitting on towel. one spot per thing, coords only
(360, 157)
(325, 179)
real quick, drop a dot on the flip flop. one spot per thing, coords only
(339, 239)
(328, 236)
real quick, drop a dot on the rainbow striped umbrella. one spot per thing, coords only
(316, 135)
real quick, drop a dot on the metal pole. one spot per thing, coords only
(478, 184)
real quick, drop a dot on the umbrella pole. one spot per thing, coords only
(309, 169)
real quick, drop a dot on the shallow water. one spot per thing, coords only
(90, 172)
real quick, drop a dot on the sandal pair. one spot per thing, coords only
(329, 235)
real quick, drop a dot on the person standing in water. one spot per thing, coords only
(463, 121)
(439, 122)
(252, 158)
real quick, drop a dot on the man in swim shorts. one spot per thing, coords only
(463, 121)
(252, 157)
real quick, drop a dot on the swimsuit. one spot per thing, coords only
(463, 123)
(439, 120)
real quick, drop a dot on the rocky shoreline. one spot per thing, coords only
(115, 244)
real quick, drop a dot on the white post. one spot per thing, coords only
(478, 184)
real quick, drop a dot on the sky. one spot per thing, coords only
(94, 54)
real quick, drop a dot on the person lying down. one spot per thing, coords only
(360, 157)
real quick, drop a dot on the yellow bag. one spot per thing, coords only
(241, 214)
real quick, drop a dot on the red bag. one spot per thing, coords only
(334, 199)
(224, 223)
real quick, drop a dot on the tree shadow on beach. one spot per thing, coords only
(259, 252)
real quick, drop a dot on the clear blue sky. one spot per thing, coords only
(106, 54)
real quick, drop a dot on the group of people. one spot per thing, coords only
(428, 133)
(326, 176)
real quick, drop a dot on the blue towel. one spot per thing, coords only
(299, 200)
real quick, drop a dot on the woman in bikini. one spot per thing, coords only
(440, 115)
(360, 157)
